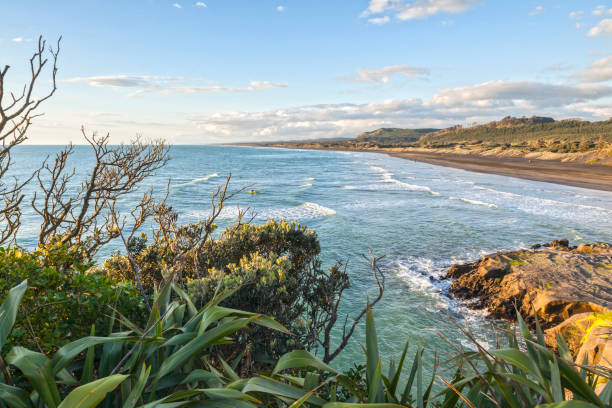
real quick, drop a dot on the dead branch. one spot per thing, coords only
(329, 321)
(16, 115)
(88, 217)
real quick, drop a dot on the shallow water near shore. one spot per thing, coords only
(422, 217)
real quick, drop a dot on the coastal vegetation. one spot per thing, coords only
(195, 317)
(522, 135)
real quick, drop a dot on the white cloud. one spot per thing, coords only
(379, 20)
(519, 93)
(604, 27)
(177, 5)
(126, 81)
(280, 9)
(21, 39)
(598, 71)
(261, 85)
(481, 102)
(384, 74)
(408, 10)
(576, 14)
(537, 10)
(600, 11)
(200, 4)
(378, 6)
(168, 85)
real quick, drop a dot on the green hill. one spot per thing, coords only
(524, 134)
(394, 135)
(537, 132)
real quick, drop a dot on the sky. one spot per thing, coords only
(220, 71)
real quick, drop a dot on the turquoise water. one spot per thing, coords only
(422, 217)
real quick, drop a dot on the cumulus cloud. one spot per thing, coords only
(598, 71)
(200, 4)
(383, 75)
(167, 85)
(604, 27)
(177, 5)
(481, 102)
(280, 9)
(537, 10)
(416, 9)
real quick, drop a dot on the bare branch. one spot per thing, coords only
(330, 320)
(16, 118)
(88, 217)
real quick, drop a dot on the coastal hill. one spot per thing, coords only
(536, 133)
(569, 135)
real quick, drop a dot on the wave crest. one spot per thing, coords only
(198, 180)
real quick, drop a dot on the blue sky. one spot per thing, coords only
(254, 70)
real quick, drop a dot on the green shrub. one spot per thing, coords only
(273, 268)
(61, 305)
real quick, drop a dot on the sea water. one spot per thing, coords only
(422, 217)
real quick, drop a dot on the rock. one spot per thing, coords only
(572, 330)
(536, 246)
(594, 248)
(597, 347)
(561, 243)
(457, 270)
(588, 336)
(562, 284)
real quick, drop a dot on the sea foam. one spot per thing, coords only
(198, 180)
(474, 202)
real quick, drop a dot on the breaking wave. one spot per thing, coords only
(475, 202)
(198, 180)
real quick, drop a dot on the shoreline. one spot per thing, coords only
(576, 174)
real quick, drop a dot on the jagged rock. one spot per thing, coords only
(457, 270)
(559, 283)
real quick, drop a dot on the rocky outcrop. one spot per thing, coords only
(570, 289)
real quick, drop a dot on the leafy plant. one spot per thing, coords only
(366, 385)
(524, 374)
(168, 361)
(531, 375)
(60, 304)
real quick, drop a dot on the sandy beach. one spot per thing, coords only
(571, 173)
(593, 176)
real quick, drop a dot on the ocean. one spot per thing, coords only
(422, 217)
